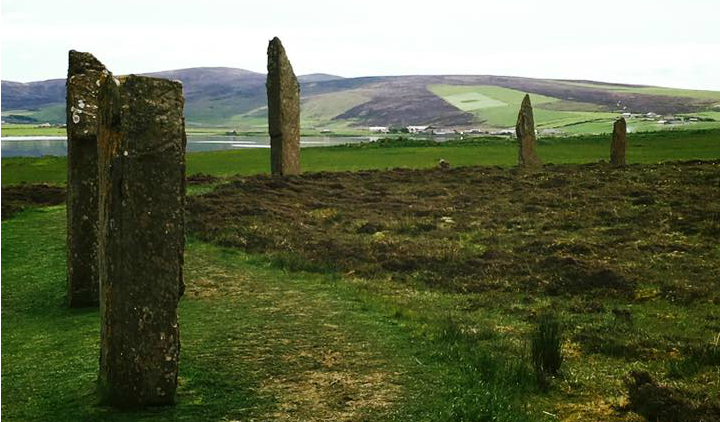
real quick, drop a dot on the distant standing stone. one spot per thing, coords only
(141, 155)
(525, 131)
(617, 146)
(283, 93)
(85, 75)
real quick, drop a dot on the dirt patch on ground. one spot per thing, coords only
(657, 402)
(332, 390)
(201, 179)
(564, 230)
(313, 363)
(18, 197)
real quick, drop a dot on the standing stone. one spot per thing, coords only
(85, 75)
(283, 93)
(141, 161)
(525, 131)
(617, 146)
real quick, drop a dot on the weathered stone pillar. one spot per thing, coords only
(525, 131)
(85, 75)
(283, 93)
(617, 146)
(141, 159)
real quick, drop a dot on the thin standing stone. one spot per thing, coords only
(617, 146)
(283, 93)
(85, 75)
(141, 161)
(525, 131)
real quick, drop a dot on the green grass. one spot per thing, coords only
(498, 107)
(322, 108)
(501, 96)
(54, 113)
(244, 126)
(31, 130)
(655, 90)
(651, 147)
(257, 342)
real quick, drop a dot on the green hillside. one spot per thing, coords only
(236, 99)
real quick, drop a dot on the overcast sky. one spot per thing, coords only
(659, 42)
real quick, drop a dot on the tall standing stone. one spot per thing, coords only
(141, 161)
(85, 75)
(617, 146)
(283, 93)
(525, 131)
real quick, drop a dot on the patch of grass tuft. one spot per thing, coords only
(546, 344)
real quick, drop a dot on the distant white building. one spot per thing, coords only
(44, 125)
(628, 115)
(379, 129)
(418, 129)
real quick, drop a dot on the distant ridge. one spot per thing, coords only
(318, 77)
(231, 97)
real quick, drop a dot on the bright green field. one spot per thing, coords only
(244, 127)
(317, 113)
(654, 90)
(52, 113)
(649, 147)
(498, 107)
(30, 130)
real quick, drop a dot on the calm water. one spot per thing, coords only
(36, 146)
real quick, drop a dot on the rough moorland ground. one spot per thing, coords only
(627, 257)
(565, 230)
(19, 197)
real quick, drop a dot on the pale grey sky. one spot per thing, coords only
(659, 42)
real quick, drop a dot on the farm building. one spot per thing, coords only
(419, 129)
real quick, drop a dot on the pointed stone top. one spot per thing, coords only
(620, 124)
(79, 62)
(526, 101)
(526, 122)
(277, 58)
(275, 47)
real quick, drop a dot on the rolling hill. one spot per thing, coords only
(228, 97)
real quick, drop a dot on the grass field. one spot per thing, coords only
(51, 113)
(651, 147)
(497, 107)
(30, 130)
(655, 90)
(400, 295)
(243, 126)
